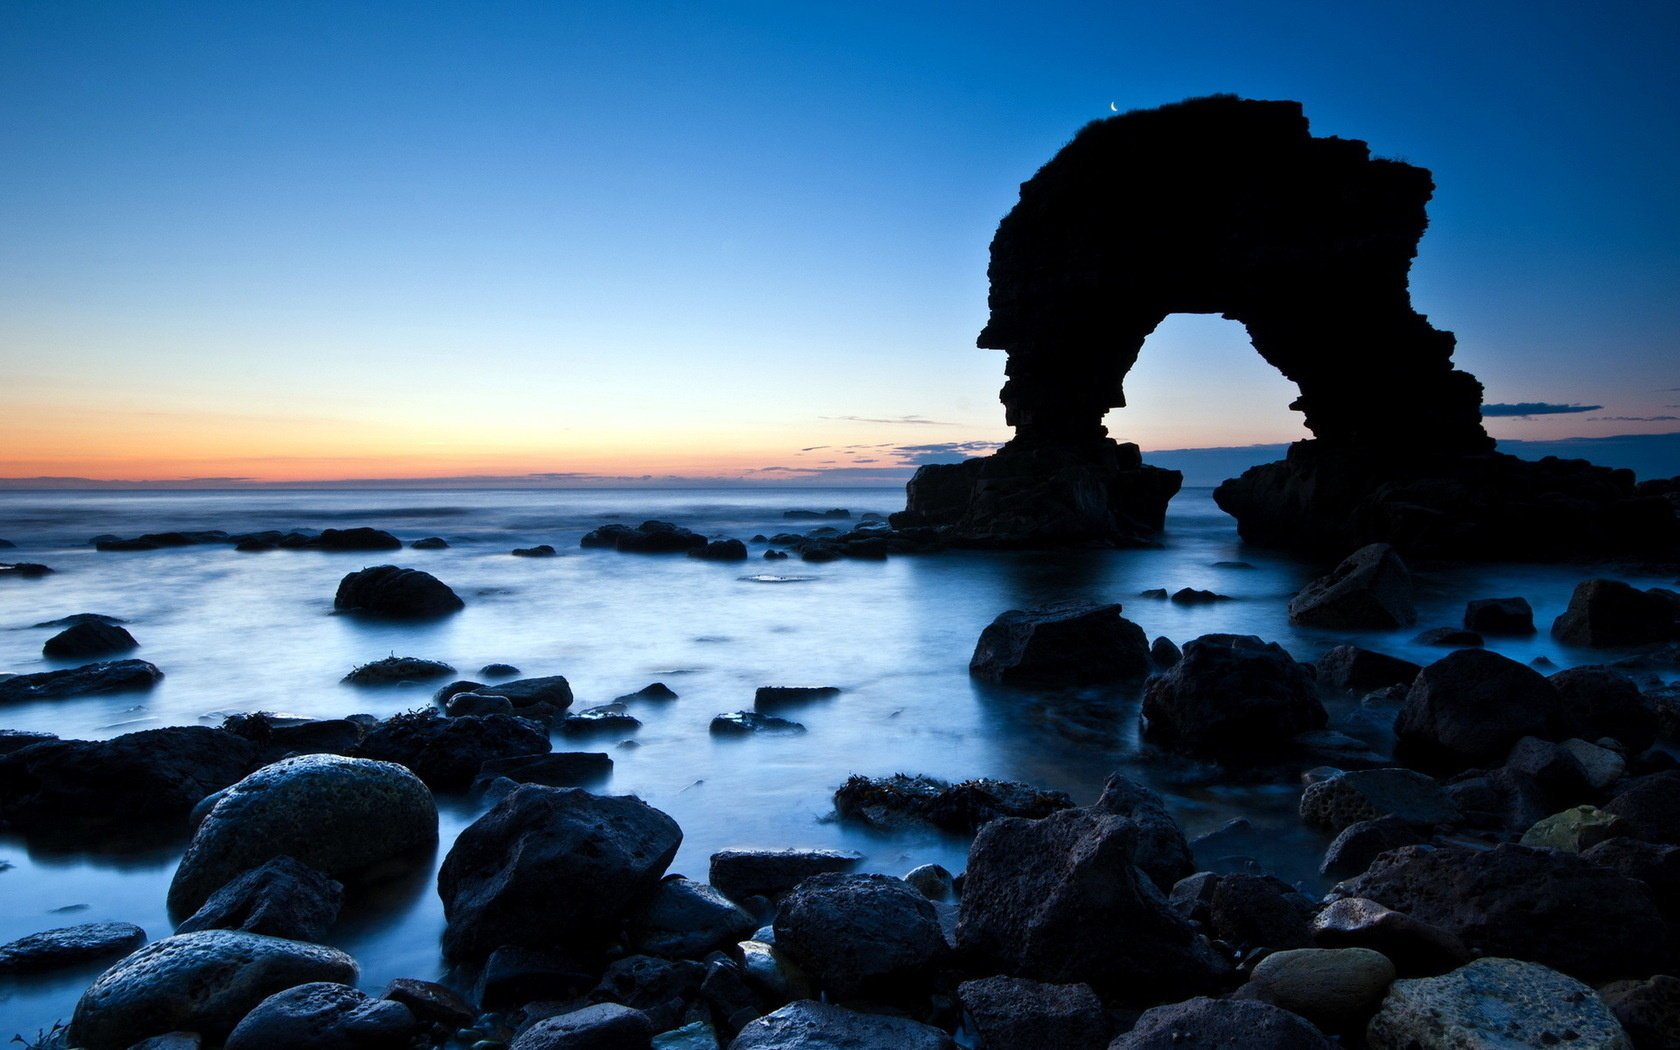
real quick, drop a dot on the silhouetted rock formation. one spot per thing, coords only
(1231, 206)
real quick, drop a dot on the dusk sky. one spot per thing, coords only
(287, 241)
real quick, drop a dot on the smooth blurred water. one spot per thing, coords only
(246, 632)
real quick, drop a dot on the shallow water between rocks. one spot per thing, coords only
(244, 632)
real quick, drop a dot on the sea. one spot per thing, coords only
(240, 632)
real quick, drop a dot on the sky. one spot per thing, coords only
(741, 240)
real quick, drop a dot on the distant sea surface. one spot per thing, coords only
(245, 632)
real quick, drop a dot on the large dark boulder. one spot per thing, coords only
(650, 537)
(903, 801)
(1042, 899)
(807, 1025)
(1204, 1022)
(88, 639)
(551, 867)
(280, 898)
(1540, 905)
(340, 816)
(397, 593)
(1469, 707)
(684, 919)
(447, 753)
(552, 690)
(69, 946)
(197, 982)
(1371, 589)
(860, 935)
(1606, 613)
(1014, 1014)
(113, 677)
(742, 874)
(1607, 703)
(1076, 643)
(360, 538)
(720, 550)
(324, 1015)
(604, 1026)
(77, 789)
(1231, 697)
(1361, 671)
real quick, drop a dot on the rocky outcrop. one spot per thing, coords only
(1075, 643)
(1612, 613)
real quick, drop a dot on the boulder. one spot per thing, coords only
(1251, 912)
(650, 537)
(1370, 590)
(1009, 1013)
(1416, 948)
(1075, 643)
(277, 737)
(860, 935)
(430, 543)
(1336, 989)
(115, 676)
(340, 816)
(396, 593)
(1360, 843)
(807, 1025)
(1204, 1022)
(1648, 1011)
(720, 550)
(1574, 830)
(768, 698)
(1469, 708)
(1602, 765)
(1558, 772)
(774, 976)
(70, 789)
(1538, 905)
(600, 720)
(360, 538)
(900, 801)
(742, 874)
(197, 982)
(683, 919)
(1359, 670)
(1339, 801)
(280, 898)
(89, 639)
(1651, 807)
(447, 753)
(1506, 616)
(463, 705)
(1042, 897)
(1608, 613)
(69, 946)
(551, 867)
(1164, 652)
(1494, 1003)
(556, 769)
(552, 690)
(515, 975)
(933, 881)
(1499, 799)
(604, 1026)
(1607, 703)
(654, 691)
(541, 550)
(1160, 851)
(747, 723)
(1657, 866)
(323, 1015)
(431, 1003)
(1231, 697)
(396, 670)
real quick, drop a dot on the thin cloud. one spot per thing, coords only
(814, 448)
(945, 451)
(1524, 409)
(1633, 419)
(921, 421)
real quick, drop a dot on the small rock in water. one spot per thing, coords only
(111, 677)
(742, 874)
(430, 543)
(603, 718)
(498, 670)
(556, 769)
(88, 639)
(1370, 590)
(1158, 593)
(1164, 652)
(901, 800)
(1192, 596)
(1450, 638)
(832, 514)
(394, 670)
(397, 593)
(70, 946)
(1072, 643)
(720, 550)
(770, 697)
(23, 570)
(468, 704)
(541, 550)
(1509, 616)
(656, 691)
(742, 723)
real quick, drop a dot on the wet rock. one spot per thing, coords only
(660, 988)
(1370, 590)
(84, 641)
(604, 1026)
(1361, 842)
(340, 816)
(147, 780)
(541, 550)
(278, 737)
(772, 974)
(23, 570)
(1336, 989)
(1366, 794)
(650, 537)
(467, 705)
(430, 543)
(860, 935)
(726, 993)
(900, 800)
(1009, 1013)
(655, 691)
(1648, 1011)
(325, 1016)
(360, 538)
(1450, 638)
(1559, 773)
(113, 677)
(1416, 948)
(1606, 613)
(431, 1003)
(1160, 850)
(280, 898)
(1532, 904)
(721, 550)
(1607, 703)
(552, 690)
(447, 753)
(932, 881)
(1208, 1022)
(742, 874)
(769, 698)
(1360, 670)
(460, 686)
(539, 845)
(1259, 911)
(683, 919)
(1504, 616)
(1041, 897)
(833, 514)
(1499, 799)
(1164, 653)
(198, 982)
(1193, 596)
(515, 975)
(1231, 697)
(395, 670)
(1657, 866)
(1470, 707)
(1574, 830)
(807, 1025)
(1494, 1002)
(397, 593)
(746, 723)
(1074, 643)
(17, 739)
(69, 946)
(498, 670)
(610, 719)
(556, 769)
(1651, 807)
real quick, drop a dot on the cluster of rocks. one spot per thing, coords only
(360, 538)
(870, 540)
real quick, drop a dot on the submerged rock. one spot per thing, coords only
(1231, 697)
(1494, 1003)
(650, 537)
(69, 946)
(541, 550)
(394, 670)
(1371, 589)
(113, 677)
(901, 800)
(1076, 643)
(389, 591)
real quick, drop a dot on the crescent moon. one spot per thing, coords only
(1113, 108)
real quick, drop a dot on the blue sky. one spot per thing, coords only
(330, 240)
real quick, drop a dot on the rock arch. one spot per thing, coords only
(1231, 206)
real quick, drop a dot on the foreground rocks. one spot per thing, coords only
(1221, 1023)
(323, 1015)
(1079, 643)
(1470, 708)
(1014, 1014)
(869, 936)
(807, 1025)
(1231, 697)
(1612, 613)
(1495, 1003)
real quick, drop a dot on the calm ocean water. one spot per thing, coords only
(245, 632)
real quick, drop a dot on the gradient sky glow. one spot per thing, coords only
(353, 240)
